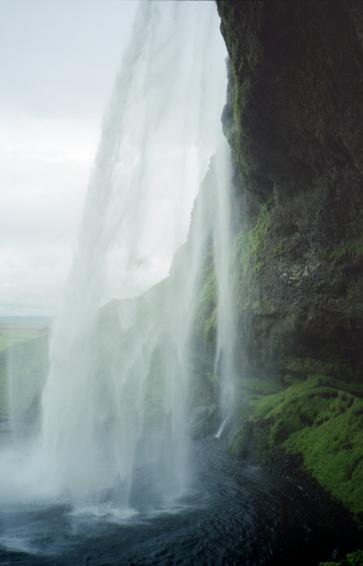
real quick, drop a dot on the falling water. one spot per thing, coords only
(114, 408)
(221, 428)
(114, 415)
(223, 264)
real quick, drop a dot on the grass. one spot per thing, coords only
(332, 448)
(10, 336)
(322, 420)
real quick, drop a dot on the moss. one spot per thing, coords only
(352, 248)
(236, 114)
(278, 249)
(210, 326)
(332, 448)
(212, 377)
(250, 243)
(249, 260)
(249, 254)
(352, 559)
(207, 301)
(320, 419)
(208, 293)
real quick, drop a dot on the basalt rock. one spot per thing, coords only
(293, 119)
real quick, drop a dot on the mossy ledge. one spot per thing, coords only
(318, 418)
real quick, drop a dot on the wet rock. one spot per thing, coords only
(294, 119)
(204, 421)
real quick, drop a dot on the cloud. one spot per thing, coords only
(58, 64)
(44, 170)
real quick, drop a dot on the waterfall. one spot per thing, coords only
(118, 430)
(114, 429)
(219, 432)
(223, 245)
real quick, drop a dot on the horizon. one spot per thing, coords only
(59, 64)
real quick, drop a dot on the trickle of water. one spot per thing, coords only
(221, 428)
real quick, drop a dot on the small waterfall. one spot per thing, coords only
(221, 428)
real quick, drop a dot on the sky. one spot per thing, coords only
(58, 61)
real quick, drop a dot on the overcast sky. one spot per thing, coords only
(58, 60)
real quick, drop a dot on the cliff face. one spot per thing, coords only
(293, 121)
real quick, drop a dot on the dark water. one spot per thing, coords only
(240, 516)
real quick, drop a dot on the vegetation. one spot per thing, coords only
(249, 255)
(10, 336)
(250, 243)
(321, 419)
(352, 559)
(208, 301)
(352, 248)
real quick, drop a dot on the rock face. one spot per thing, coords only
(294, 120)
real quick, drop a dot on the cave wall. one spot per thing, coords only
(293, 119)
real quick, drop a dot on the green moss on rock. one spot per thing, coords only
(348, 249)
(249, 256)
(207, 301)
(250, 243)
(352, 559)
(321, 419)
(332, 448)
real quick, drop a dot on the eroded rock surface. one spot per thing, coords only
(294, 122)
